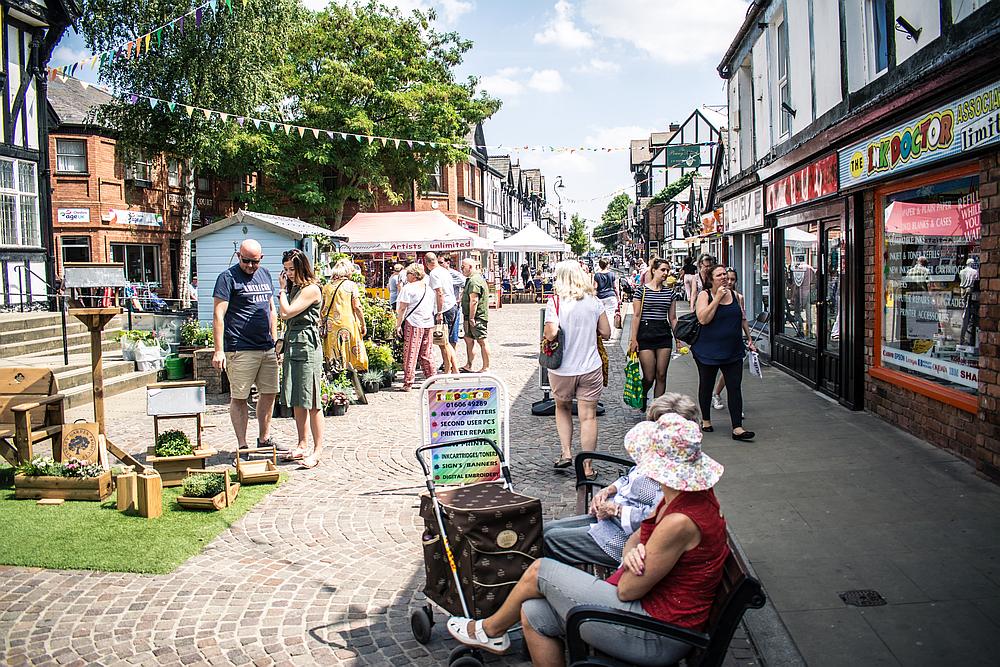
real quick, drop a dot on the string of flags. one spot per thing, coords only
(153, 38)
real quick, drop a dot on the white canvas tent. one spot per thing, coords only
(530, 239)
(408, 232)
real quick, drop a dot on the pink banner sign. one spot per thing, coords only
(956, 220)
(812, 181)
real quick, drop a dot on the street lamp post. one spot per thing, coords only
(556, 188)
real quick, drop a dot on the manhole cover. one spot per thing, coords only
(863, 598)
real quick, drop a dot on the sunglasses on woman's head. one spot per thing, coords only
(289, 254)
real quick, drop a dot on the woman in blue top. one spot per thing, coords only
(720, 347)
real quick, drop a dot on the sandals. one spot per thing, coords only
(591, 476)
(465, 370)
(562, 463)
(294, 455)
(458, 627)
(309, 463)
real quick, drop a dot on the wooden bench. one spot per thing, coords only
(738, 591)
(31, 411)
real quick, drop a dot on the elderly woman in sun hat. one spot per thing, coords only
(671, 568)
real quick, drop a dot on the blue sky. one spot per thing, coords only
(590, 73)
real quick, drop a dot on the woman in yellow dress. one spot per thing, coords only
(344, 343)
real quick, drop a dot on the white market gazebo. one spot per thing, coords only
(530, 239)
(407, 231)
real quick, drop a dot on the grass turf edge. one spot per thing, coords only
(80, 535)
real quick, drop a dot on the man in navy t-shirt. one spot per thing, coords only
(246, 325)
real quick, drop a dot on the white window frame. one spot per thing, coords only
(435, 181)
(871, 46)
(23, 194)
(173, 172)
(141, 169)
(61, 166)
(783, 87)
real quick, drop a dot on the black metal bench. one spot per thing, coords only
(738, 591)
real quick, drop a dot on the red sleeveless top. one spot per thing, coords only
(684, 597)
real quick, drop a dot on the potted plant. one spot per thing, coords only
(173, 454)
(338, 404)
(371, 381)
(207, 490)
(44, 477)
(194, 336)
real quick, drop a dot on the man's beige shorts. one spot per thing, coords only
(246, 368)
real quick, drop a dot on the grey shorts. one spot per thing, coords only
(565, 587)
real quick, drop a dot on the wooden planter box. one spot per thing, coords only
(173, 469)
(257, 472)
(66, 488)
(217, 502)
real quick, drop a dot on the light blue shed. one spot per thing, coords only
(215, 247)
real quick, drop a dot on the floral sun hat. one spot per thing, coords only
(669, 451)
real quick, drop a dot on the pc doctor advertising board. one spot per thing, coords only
(457, 411)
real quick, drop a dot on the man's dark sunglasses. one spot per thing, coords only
(251, 262)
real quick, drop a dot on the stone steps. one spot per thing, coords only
(84, 395)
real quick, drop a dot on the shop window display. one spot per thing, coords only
(801, 267)
(930, 282)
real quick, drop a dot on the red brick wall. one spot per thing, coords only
(975, 437)
(103, 188)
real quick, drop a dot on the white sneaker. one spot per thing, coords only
(717, 402)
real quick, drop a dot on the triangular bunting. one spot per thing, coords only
(180, 24)
(153, 103)
(188, 110)
(208, 114)
(241, 120)
(286, 128)
(224, 117)
(315, 133)
(197, 17)
(302, 131)
(171, 105)
(229, 5)
(274, 126)
(396, 141)
(256, 123)
(146, 38)
(132, 99)
(329, 134)
(159, 36)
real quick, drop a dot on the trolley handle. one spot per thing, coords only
(504, 467)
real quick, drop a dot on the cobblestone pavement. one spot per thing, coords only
(325, 570)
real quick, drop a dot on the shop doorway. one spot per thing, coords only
(809, 265)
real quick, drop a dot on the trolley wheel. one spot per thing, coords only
(465, 656)
(421, 621)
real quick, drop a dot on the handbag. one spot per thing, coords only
(633, 395)
(324, 322)
(618, 317)
(550, 352)
(688, 327)
(605, 363)
(440, 334)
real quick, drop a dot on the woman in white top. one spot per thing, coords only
(415, 323)
(579, 314)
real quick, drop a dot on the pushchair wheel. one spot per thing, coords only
(421, 621)
(465, 656)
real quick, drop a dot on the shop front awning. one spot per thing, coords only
(421, 231)
(530, 239)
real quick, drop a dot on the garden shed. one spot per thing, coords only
(215, 245)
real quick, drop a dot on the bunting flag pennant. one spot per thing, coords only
(180, 23)
(152, 103)
(93, 61)
(329, 133)
(396, 141)
(256, 123)
(409, 143)
(171, 105)
(229, 5)
(132, 99)
(315, 133)
(241, 120)
(286, 128)
(146, 38)
(225, 117)
(208, 114)
(159, 36)
(302, 131)
(244, 4)
(188, 110)
(274, 126)
(197, 17)
(214, 4)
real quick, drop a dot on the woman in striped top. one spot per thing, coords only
(652, 327)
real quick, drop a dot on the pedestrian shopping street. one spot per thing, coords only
(326, 569)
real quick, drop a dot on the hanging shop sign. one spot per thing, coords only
(469, 225)
(809, 183)
(964, 124)
(744, 212)
(73, 214)
(142, 218)
(711, 222)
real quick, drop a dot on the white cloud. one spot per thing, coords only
(547, 81)
(673, 31)
(448, 11)
(597, 66)
(562, 32)
(616, 137)
(65, 55)
(513, 81)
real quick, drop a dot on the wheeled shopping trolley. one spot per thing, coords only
(479, 536)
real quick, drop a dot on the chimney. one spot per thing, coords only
(674, 127)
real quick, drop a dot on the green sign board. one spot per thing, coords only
(683, 156)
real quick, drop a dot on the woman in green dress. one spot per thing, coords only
(302, 363)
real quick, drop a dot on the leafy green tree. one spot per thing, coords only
(231, 62)
(577, 238)
(607, 232)
(672, 190)
(368, 69)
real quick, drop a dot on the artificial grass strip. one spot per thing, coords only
(80, 535)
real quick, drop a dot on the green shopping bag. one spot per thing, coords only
(633, 395)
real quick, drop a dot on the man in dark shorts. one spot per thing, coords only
(246, 325)
(476, 311)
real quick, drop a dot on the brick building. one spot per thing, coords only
(103, 210)
(861, 205)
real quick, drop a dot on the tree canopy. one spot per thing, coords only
(607, 232)
(577, 238)
(369, 69)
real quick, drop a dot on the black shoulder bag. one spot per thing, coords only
(688, 327)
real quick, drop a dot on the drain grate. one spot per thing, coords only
(863, 598)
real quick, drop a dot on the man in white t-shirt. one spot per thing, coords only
(446, 311)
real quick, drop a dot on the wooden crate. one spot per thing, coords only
(66, 488)
(217, 502)
(257, 472)
(173, 469)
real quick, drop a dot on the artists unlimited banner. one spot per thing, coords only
(463, 414)
(966, 123)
